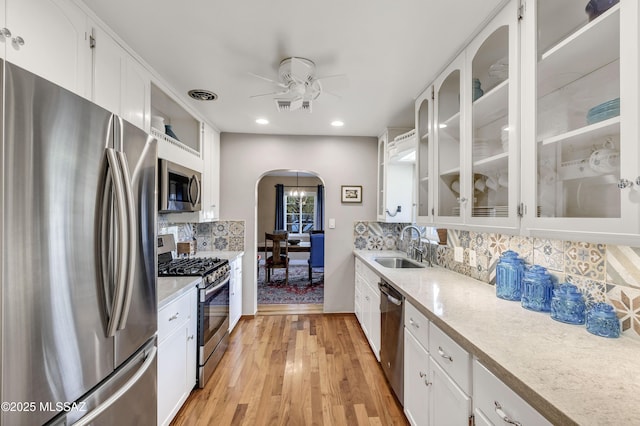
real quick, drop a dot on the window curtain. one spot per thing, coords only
(279, 222)
(320, 208)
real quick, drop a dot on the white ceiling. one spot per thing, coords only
(389, 51)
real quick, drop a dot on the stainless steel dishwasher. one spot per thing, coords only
(392, 337)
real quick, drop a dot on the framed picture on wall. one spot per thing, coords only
(351, 193)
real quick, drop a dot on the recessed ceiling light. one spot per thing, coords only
(337, 123)
(262, 121)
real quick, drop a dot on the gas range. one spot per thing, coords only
(212, 269)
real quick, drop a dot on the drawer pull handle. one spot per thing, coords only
(413, 323)
(444, 355)
(174, 317)
(504, 416)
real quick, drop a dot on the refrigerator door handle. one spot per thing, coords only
(132, 231)
(120, 392)
(122, 246)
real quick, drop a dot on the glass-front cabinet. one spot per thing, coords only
(493, 125)
(477, 130)
(580, 119)
(424, 154)
(450, 191)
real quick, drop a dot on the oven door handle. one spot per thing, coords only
(209, 291)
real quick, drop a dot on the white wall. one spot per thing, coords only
(245, 158)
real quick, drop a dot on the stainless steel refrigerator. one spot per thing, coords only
(78, 296)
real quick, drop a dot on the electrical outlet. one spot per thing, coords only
(458, 254)
(473, 261)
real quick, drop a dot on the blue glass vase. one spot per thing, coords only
(603, 321)
(537, 289)
(567, 304)
(509, 271)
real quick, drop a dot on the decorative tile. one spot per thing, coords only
(236, 228)
(523, 246)
(453, 238)
(390, 242)
(221, 243)
(375, 242)
(360, 228)
(626, 301)
(592, 291)
(480, 243)
(375, 228)
(360, 243)
(236, 243)
(204, 244)
(585, 259)
(220, 228)
(497, 244)
(203, 229)
(464, 239)
(548, 253)
(623, 266)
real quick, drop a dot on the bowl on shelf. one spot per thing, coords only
(604, 111)
(294, 242)
(157, 122)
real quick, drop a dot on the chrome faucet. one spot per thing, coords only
(412, 250)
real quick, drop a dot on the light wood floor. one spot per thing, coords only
(295, 370)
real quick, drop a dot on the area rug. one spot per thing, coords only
(298, 291)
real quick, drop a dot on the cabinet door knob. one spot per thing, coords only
(504, 416)
(413, 323)
(638, 181)
(625, 183)
(461, 200)
(18, 41)
(4, 32)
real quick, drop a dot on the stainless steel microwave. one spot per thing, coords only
(180, 188)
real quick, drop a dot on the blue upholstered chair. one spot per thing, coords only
(316, 254)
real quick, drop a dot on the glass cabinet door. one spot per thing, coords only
(578, 112)
(493, 86)
(424, 133)
(450, 189)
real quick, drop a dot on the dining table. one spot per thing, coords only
(301, 247)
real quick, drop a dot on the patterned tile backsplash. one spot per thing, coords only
(213, 236)
(603, 273)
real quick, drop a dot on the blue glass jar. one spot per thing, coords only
(509, 271)
(567, 304)
(603, 321)
(537, 289)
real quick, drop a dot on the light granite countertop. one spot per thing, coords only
(569, 375)
(170, 288)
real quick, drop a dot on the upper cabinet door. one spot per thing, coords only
(492, 125)
(580, 121)
(424, 156)
(49, 38)
(452, 194)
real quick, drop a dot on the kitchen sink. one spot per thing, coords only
(397, 262)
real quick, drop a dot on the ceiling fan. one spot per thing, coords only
(298, 84)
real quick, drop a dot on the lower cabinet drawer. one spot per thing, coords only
(175, 314)
(417, 324)
(453, 359)
(497, 403)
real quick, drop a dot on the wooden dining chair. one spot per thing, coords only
(279, 253)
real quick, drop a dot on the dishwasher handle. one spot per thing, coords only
(384, 289)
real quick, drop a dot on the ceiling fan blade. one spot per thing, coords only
(267, 79)
(326, 77)
(284, 92)
(332, 94)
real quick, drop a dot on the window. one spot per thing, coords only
(299, 213)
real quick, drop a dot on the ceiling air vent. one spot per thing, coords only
(284, 105)
(202, 95)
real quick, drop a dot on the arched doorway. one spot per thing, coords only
(291, 201)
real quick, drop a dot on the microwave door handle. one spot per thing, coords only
(194, 181)
(122, 251)
(131, 231)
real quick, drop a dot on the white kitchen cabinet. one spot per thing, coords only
(177, 354)
(496, 404)
(476, 155)
(367, 282)
(417, 384)
(120, 84)
(396, 175)
(580, 122)
(48, 38)
(210, 174)
(235, 292)
(450, 405)
(424, 156)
